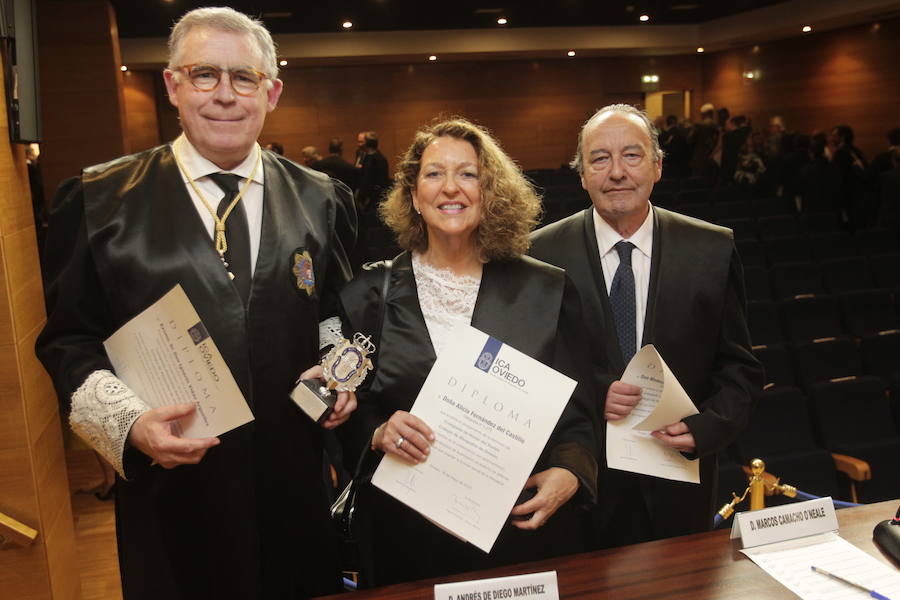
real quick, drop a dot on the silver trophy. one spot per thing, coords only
(345, 367)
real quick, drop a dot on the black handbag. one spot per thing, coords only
(343, 508)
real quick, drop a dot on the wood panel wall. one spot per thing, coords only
(142, 120)
(82, 104)
(848, 76)
(534, 107)
(33, 484)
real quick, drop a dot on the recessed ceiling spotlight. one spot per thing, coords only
(700, 49)
(123, 68)
(644, 18)
(807, 29)
(432, 58)
(347, 24)
(570, 53)
(282, 63)
(502, 21)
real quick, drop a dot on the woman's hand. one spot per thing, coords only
(405, 436)
(554, 488)
(343, 406)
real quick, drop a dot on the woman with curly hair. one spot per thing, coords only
(462, 211)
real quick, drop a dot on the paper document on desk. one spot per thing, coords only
(166, 356)
(789, 563)
(629, 445)
(492, 410)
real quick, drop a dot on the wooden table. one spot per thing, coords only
(693, 567)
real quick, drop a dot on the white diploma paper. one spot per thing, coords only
(492, 410)
(789, 562)
(166, 356)
(629, 445)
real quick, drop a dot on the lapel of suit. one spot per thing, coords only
(600, 299)
(660, 223)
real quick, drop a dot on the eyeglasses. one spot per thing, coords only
(244, 80)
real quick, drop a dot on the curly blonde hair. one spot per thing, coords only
(510, 208)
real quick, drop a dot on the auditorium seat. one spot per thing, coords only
(886, 270)
(703, 212)
(789, 249)
(777, 226)
(733, 209)
(869, 311)
(852, 417)
(881, 358)
(764, 321)
(820, 222)
(808, 318)
(751, 252)
(694, 183)
(778, 364)
(847, 274)
(796, 279)
(780, 433)
(877, 241)
(772, 206)
(744, 228)
(693, 197)
(826, 359)
(836, 244)
(758, 285)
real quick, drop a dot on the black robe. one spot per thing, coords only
(249, 521)
(524, 303)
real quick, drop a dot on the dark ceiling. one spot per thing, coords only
(154, 18)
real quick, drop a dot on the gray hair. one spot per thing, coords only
(652, 132)
(225, 19)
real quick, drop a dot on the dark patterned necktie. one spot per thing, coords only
(621, 299)
(237, 233)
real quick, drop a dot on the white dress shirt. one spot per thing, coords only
(607, 238)
(198, 168)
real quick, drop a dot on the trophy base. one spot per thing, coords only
(314, 399)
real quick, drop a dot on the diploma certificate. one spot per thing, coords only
(492, 410)
(165, 355)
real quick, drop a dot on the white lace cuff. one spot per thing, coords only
(330, 333)
(103, 410)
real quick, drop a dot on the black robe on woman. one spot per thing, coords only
(526, 304)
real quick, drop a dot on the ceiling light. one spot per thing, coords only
(282, 63)
(650, 78)
(700, 49)
(807, 29)
(432, 58)
(347, 24)
(570, 53)
(123, 68)
(502, 21)
(644, 18)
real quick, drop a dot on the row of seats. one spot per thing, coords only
(875, 277)
(804, 364)
(813, 317)
(818, 248)
(797, 435)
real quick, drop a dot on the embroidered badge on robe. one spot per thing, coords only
(303, 271)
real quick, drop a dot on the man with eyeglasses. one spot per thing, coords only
(260, 246)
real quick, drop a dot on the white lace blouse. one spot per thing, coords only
(446, 299)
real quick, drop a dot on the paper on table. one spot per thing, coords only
(789, 562)
(492, 409)
(629, 446)
(165, 355)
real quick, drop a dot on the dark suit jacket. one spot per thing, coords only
(696, 318)
(338, 168)
(249, 520)
(524, 303)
